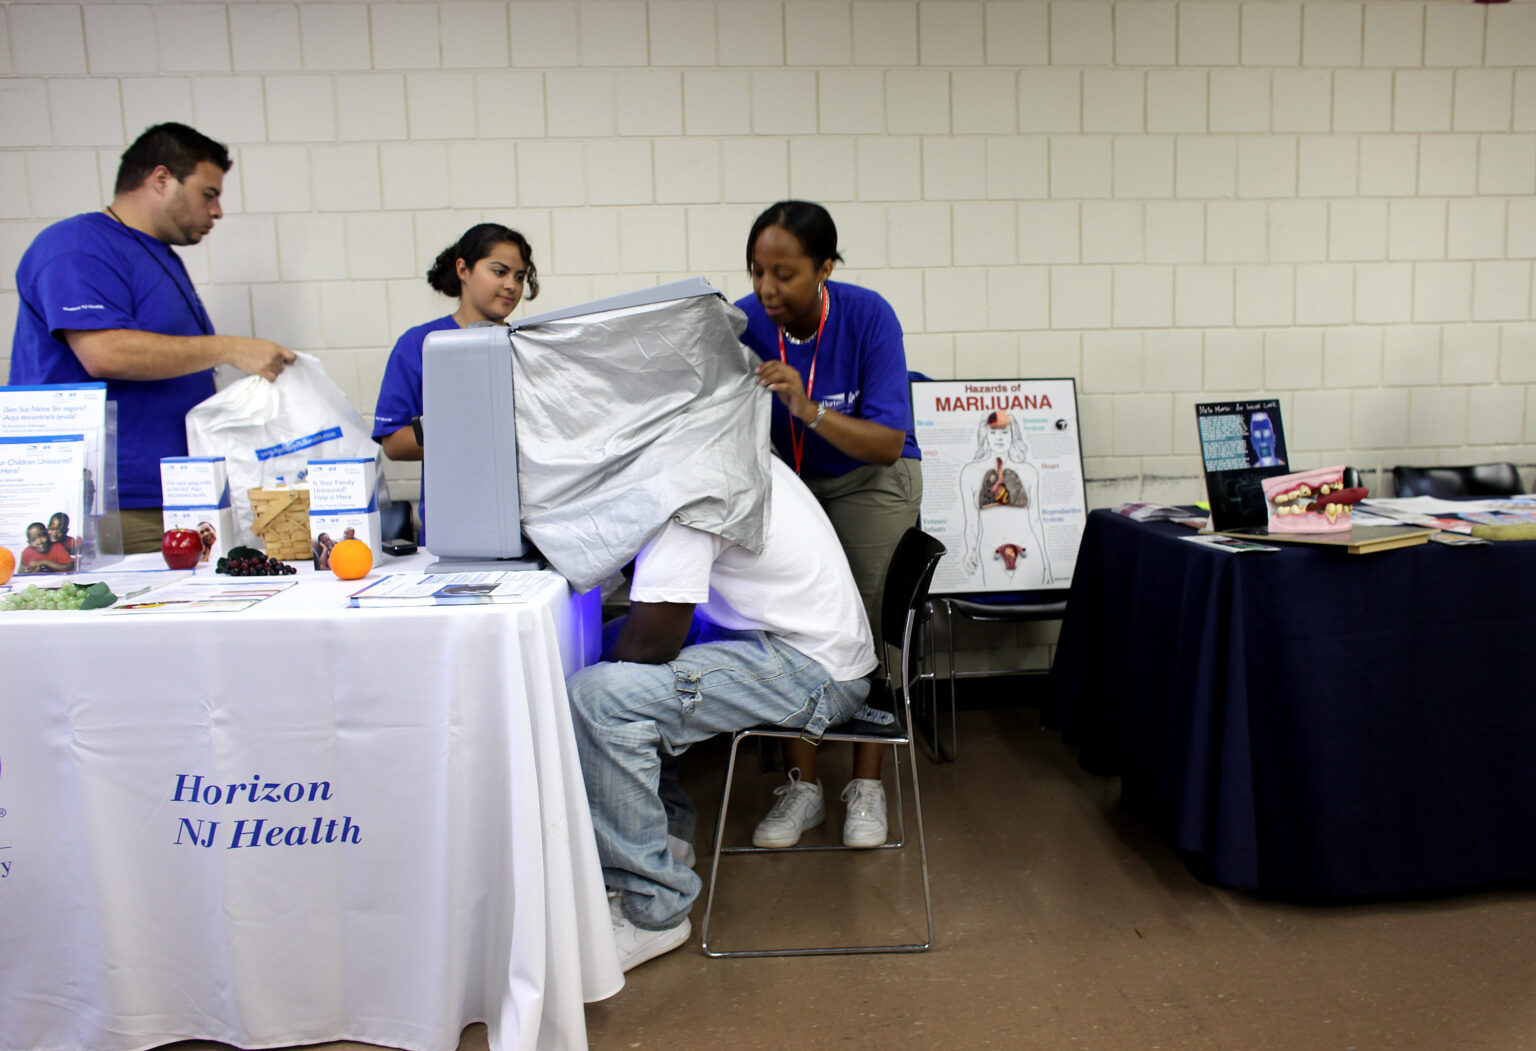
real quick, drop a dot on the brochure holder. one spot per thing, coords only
(58, 478)
(104, 526)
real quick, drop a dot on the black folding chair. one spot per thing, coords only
(1009, 613)
(1482, 479)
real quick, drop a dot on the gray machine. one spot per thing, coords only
(470, 450)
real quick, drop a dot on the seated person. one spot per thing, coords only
(786, 642)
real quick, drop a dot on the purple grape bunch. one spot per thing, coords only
(254, 566)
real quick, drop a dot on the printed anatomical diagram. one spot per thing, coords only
(1000, 486)
(999, 490)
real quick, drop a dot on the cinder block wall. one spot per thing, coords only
(1333, 203)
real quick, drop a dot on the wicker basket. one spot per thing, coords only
(282, 522)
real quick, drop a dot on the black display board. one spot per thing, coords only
(1241, 444)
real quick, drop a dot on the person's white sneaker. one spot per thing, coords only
(865, 824)
(800, 807)
(682, 850)
(637, 946)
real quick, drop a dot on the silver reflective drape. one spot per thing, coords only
(629, 417)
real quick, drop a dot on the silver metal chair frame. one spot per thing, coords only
(898, 734)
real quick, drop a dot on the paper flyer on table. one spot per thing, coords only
(1231, 544)
(447, 589)
(1154, 512)
(206, 595)
(1500, 517)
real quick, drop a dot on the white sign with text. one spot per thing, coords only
(1002, 481)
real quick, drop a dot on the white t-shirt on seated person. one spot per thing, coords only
(799, 589)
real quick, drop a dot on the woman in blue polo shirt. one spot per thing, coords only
(488, 269)
(833, 355)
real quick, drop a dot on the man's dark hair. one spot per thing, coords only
(180, 148)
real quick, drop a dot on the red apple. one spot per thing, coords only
(181, 548)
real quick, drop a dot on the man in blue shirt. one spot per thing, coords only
(105, 297)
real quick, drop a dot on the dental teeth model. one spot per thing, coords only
(1311, 501)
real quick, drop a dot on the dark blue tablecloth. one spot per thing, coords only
(1307, 722)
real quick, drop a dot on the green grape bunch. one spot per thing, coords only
(67, 596)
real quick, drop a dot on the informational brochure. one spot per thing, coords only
(60, 408)
(1154, 512)
(42, 501)
(343, 505)
(1456, 539)
(1232, 544)
(1500, 517)
(1428, 511)
(1002, 482)
(448, 589)
(205, 595)
(1405, 507)
(195, 495)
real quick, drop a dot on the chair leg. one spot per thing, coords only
(714, 868)
(922, 847)
(932, 738)
(954, 725)
(901, 811)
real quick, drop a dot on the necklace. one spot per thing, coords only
(826, 302)
(797, 437)
(194, 303)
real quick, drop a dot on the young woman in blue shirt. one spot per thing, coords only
(833, 355)
(488, 269)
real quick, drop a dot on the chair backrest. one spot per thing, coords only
(906, 585)
(1484, 479)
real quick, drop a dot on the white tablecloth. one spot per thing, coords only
(298, 822)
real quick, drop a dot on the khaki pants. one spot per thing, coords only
(142, 529)
(871, 507)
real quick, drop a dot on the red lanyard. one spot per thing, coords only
(797, 437)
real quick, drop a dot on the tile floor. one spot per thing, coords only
(1063, 924)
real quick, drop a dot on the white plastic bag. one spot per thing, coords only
(270, 431)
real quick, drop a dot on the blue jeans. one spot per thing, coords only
(628, 716)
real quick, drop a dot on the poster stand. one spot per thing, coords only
(1003, 484)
